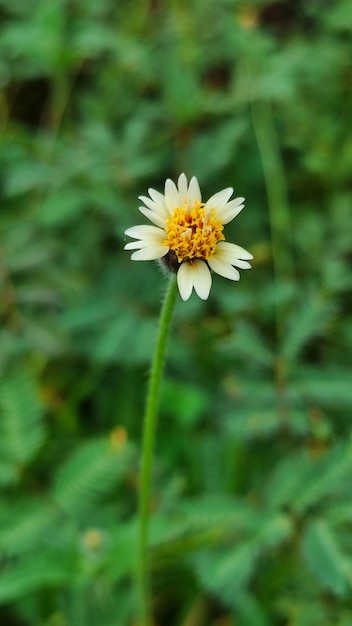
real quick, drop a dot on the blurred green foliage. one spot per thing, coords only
(252, 513)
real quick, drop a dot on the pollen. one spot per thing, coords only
(192, 232)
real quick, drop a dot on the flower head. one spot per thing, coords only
(187, 235)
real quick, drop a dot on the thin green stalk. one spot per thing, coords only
(280, 220)
(275, 181)
(149, 430)
(279, 209)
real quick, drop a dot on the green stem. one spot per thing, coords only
(280, 222)
(149, 429)
(276, 188)
(275, 181)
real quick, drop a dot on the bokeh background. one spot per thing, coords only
(252, 506)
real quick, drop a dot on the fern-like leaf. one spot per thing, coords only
(249, 423)
(200, 523)
(33, 573)
(249, 343)
(90, 473)
(23, 527)
(287, 479)
(326, 388)
(21, 419)
(326, 478)
(227, 572)
(303, 481)
(325, 557)
(308, 321)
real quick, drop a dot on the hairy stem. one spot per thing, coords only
(149, 430)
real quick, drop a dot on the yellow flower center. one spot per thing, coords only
(193, 233)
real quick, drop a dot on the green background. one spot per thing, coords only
(252, 507)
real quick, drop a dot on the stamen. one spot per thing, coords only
(192, 233)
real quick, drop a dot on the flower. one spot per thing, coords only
(187, 235)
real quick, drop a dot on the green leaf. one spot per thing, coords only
(250, 610)
(287, 479)
(24, 525)
(307, 322)
(92, 471)
(9, 473)
(302, 481)
(228, 572)
(122, 551)
(250, 424)
(325, 557)
(328, 477)
(22, 429)
(247, 341)
(34, 573)
(330, 388)
(186, 404)
(63, 206)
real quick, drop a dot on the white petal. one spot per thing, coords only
(145, 232)
(143, 243)
(224, 269)
(153, 217)
(156, 207)
(243, 265)
(135, 245)
(230, 215)
(150, 254)
(235, 202)
(156, 196)
(172, 198)
(149, 203)
(182, 187)
(159, 200)
(184, 281)
(231, 252)
(194, 191)
(229, 210)
(219, 199)
(195, 274)
(201, 279)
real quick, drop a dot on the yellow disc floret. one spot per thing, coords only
(193, 233)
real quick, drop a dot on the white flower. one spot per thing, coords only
(187, 235)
